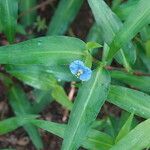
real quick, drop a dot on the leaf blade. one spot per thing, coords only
(131, 26)
(80, 123)
(8, 15)
(130, 100)
(133, 139)
(52, 50)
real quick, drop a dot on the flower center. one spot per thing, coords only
(79, 72)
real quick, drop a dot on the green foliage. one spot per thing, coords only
(43, 64)
(23, 107)
(52, 50)
(91, 97)
(66, 12)
(8, 18)
(25, 7)
(134, 22)
(109, 24)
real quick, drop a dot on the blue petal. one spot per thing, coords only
(86, 74)
(75, 66)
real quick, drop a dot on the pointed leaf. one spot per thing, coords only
(21, 106)
(94, 140)
(28, 18)
(53, 50)
(130, 100)
(91, 96)
(140, 82)
(136, 20)
(8, 18)
(137, 139)
(13, 123)
(125, 129)
(66, 12)
(109, 24)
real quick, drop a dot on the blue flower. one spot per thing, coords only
(82, 72)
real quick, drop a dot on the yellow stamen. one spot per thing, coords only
(79, 73)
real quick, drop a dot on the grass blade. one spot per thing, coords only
(66, 12)
(8, 18)
(131, 26)
(13, 123)
(42, 99)
(33, 76)
(28, 17)
(97, 140)
(21, 106)
(130, 100)
(125, 9)
(36, 78)
(133, 139)
(140, 82)
(109, 24)
(94, 139)
(53, 50)
(125, 129)
(90, 98)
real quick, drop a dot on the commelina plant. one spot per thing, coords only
(120, 36)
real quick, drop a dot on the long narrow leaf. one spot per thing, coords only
(51, 50)
(109, 24)
(125, 129)
(90, 99)
(13, 123)
(28, 17)
(21, 106)
(8, 18)
(137, 139)
(94, 140)
(64, 15)
(33, 76)
(140, 82)
(130, 100)
(137, 19)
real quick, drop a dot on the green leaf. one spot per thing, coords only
(105, 53)
(124, 117)
(99, 124)
(53, 50)
(125, 9)
(95, 34)
(130, 100)
(97, 140)
(136, 20)
(125, 129)
(140, 82)
(137, 139)
(8, 18)
(13, 123)
(109, 24)
(28, 17)
(146, 61)
(34, 76)
(111, 126)
(60, 96)
(145, 36)
(41, 77)
(88, 102)
(116, 3)
(21, 106)
(66, 12)
(42, 99)
(94, 140)
(91, 45)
